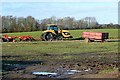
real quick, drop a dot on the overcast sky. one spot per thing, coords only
(105, 11)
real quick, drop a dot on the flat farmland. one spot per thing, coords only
(95, 59)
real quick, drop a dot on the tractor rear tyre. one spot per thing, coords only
(47, 36)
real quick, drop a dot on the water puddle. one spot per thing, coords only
(71, 71)
(47, 74)
(17, 65)
(57, 74)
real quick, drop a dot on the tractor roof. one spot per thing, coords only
(51, 24)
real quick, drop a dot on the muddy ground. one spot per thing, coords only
(86, 65)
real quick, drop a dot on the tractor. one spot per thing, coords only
(54, 33)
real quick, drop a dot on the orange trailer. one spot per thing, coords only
(101, 36)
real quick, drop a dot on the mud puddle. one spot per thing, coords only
(10, 65)
(60, 73)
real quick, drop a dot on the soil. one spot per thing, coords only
(88, 66)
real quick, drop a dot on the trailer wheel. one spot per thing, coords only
(91, 40)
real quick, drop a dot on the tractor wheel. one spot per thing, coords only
(47, 36)
(60, 37)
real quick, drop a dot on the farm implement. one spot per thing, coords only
(92, 36)
(7, 38)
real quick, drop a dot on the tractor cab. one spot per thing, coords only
(53, 27)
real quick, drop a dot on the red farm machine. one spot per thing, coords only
(92, 36)
(7, 38)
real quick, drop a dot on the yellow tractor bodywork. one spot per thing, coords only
(66, 34)
(53, 32)
(49, 31)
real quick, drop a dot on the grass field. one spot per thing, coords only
(54, 54)
(58, 47)
(62, 50)
(113, 33)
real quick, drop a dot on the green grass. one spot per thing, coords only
(58, 47)
(113, 33)
(66, 50)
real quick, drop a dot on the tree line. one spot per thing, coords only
(21, 24)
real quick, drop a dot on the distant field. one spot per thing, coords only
(113, 33)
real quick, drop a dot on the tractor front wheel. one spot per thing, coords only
(60, 37)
